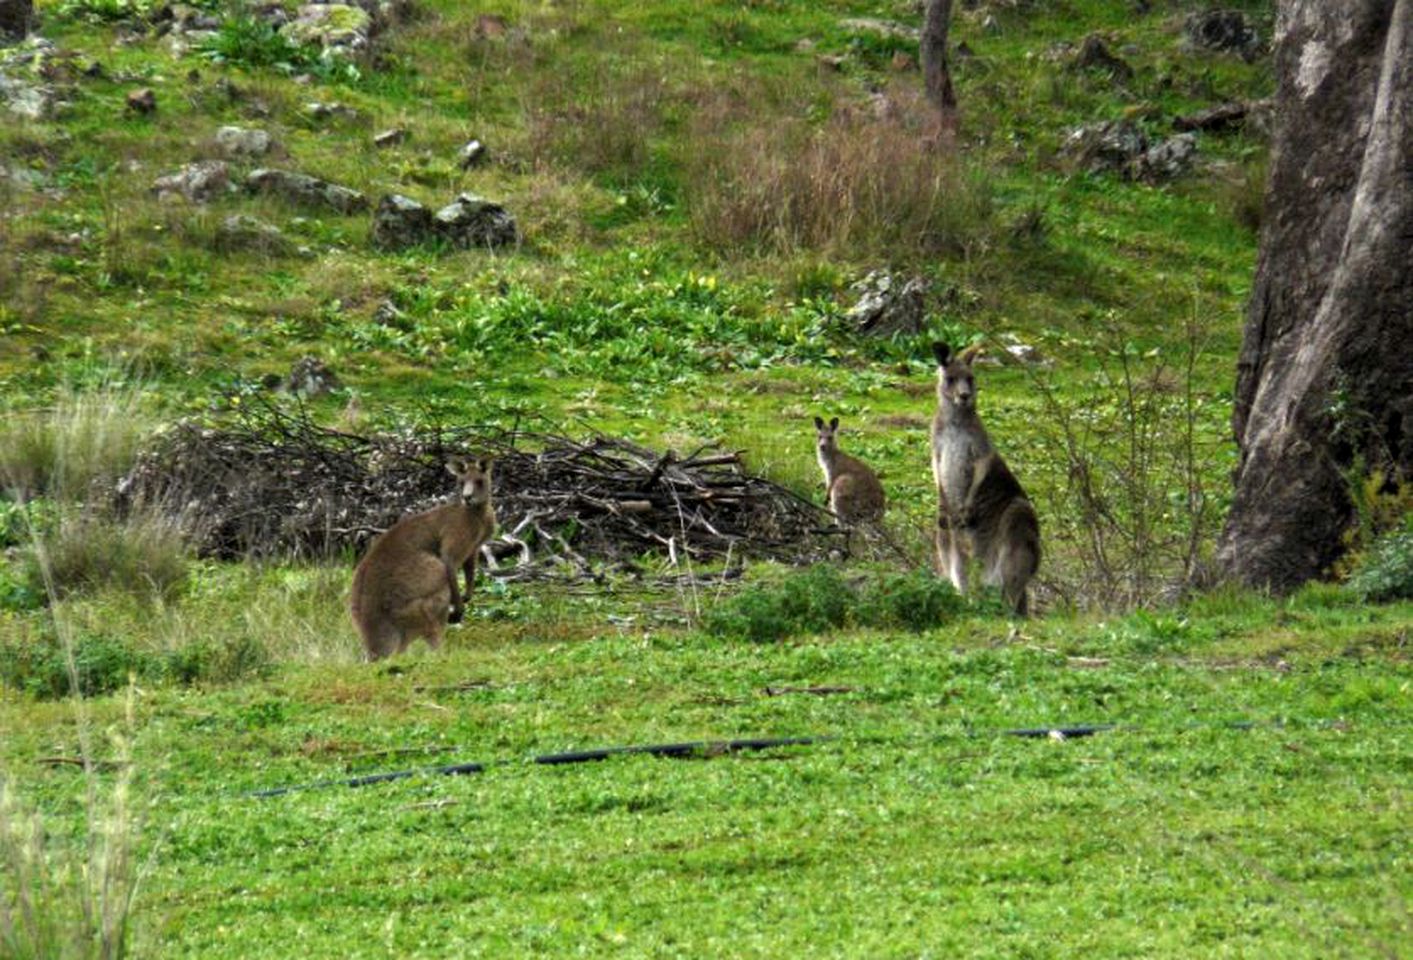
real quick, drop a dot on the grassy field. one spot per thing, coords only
(697, 186)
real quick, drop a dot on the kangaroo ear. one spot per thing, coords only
(834, 424)
(485, 463)
(941, 351)
(456, 466)
(971, 353)
(818, 423)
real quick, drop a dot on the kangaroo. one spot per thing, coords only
(852, 489)
(982, 511)
(406, 582)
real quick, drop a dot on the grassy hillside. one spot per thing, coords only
(697, 187)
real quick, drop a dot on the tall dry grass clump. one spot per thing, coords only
(58, 453)
(66, 902)
(870, 180)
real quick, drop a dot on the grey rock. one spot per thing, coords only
(330, 111)
(1094, 54)
(390, 138)
(1112, 147)
(310, 377)
(302, 189)
(16, 16)
(1224, 31)
(243, 142)
(471, 221)
(884, 28)
(244, 232)
(388, 315)
(33, 101)
(195, 182)
(339, 29)
(1168, 160)
(400, 222)
(888, 305)
(1222, 117)
(472, 154)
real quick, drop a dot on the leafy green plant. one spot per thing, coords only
(916, 601)
(1384, 570)
(108, 10)
(251, 42)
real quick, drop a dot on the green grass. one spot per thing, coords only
(915, 833)
(918, 830)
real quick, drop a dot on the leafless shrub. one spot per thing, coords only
(869, 180)
(1123, 463)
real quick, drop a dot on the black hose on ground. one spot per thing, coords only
(704, 748)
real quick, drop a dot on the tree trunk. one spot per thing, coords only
(936, 75)
(1325, 375)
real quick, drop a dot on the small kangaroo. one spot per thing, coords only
(852, 489)
(406, 581)
(982, 511)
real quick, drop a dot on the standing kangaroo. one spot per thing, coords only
(851, 488)
(406, 581)
(981, 509)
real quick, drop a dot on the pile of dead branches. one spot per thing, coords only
(271, 482)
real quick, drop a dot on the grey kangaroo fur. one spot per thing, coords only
(851, 488)
(982, 511)
(405, 586)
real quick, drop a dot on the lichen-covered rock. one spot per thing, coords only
(1167, 160)
(307, 191)
(888, 305)
(310, 377)
(244, 232)
(401, 222)
(1094, 54)
(237, 142)
(33, 101)
(472, 154)
(1225, 31)
(15, 19)
(195, 182)
(1121, 147)
(340, 29)
(471, 221)
(1112, 147)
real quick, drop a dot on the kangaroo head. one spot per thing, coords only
(825, 434)
(956, 384)
(474, 478)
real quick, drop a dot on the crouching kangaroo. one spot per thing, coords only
(982, 511)
(406, 582)
(851, 488)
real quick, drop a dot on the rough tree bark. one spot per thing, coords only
(1325, 374)
(936, 74)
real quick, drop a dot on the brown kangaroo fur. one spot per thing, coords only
(982, 511)
(406, 582)
(851, 488)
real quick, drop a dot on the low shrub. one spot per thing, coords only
(820, 599)
(1384, 571)
(144, 554)
(60, 452)
(914, 601)
(104, 663)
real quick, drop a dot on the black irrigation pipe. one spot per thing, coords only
(709, 748)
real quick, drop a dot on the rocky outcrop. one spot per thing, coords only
(306, 191)
(195, 182)
(246, 233)
(888, 305)
(471, 221)
(238, 142)
(1121, 147)
(338, 29)
(400, 222)
(16, 16)
(468, 221)
(1223, 31)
